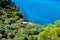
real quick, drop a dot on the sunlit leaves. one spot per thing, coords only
(51, 32)
(11, 26)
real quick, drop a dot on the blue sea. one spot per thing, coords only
(40, 11)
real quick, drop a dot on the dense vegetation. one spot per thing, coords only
(51, 32)
(12, 28)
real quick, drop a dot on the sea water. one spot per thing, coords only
(40, 11)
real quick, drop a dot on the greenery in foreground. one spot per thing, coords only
(12, 28)
(51, 32)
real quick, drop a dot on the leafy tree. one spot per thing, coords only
(51, 32)
(12, 28)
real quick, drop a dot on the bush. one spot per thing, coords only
(51, 32)
(11, 26)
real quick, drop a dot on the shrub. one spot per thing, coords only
(51, 32)
(11, 26)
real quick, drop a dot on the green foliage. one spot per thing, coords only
(0, 36)
(51, 32)
(11, 26)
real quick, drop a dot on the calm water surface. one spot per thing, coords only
(40, 11)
